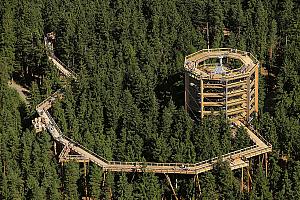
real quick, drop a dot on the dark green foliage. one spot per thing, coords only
(147, 187)
(227, 184)
(241, 139)
(260, 186)
(127, 103)
(209, 187)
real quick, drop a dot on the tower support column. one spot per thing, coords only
(256, 88)
(202, 97)
(186, 92)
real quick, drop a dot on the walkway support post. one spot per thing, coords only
(242, 180)
(170, 183)
(202, 98)
(85, 183)
(266, 163)
(249, 179)
(197, 182)
(104, 177)
(186, 88)
(54, 146)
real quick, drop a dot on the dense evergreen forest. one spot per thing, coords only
(128, 101)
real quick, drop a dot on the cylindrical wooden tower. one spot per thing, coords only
(222, 80)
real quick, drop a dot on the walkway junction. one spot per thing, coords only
(216, 86)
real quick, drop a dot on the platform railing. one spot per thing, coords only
(72, 73)
(71, 140)
(225, 50)
(54, 95)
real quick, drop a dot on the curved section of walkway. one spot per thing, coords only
(237, 159)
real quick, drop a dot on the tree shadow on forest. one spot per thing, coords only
(171, 88)
(26, 116)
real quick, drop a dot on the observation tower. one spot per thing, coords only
(222, 80)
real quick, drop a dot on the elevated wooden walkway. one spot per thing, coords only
(62, 67)
(237, 159)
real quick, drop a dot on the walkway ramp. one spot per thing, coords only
(62, 67)
(48, 102)
(236, 159)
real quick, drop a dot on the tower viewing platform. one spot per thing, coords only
(222, 80)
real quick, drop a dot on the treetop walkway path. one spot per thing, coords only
(74, 151)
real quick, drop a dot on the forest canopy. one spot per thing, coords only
(128, 101)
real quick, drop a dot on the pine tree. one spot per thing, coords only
(296, 180)
(209, 187)
(95, 182)
(228, 187)
(260, 185)
(147, 187)
(124, 189)
(286, 191)
(71, 176)
(241, 139)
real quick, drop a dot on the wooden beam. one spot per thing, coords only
(256, 89)
(104, 177)
(85, 182)
(202, 98)
(170, 183)
(249, 179)
(242, 180)
(186, 88)
(198, 184)
(266, 163)
(248, 98)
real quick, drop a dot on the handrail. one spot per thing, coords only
(151, 164)
(72, 73)
(48, 98)
(51, 55)
(226, 155)
(184, 164)
(259, 136)
(86, 149)
(72, 141)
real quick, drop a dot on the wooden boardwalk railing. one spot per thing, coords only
(237, 159)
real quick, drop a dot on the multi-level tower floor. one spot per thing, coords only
(222, 80)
